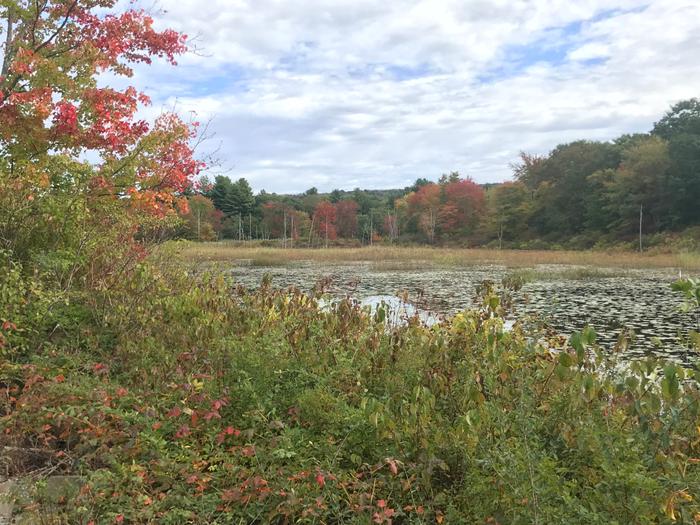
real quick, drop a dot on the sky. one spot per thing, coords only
(375, 94)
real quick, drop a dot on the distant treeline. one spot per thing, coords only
(581, 194)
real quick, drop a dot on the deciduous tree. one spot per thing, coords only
(324, 221)
(346, 218)
(54, 114)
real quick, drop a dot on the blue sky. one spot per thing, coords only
(348, 93)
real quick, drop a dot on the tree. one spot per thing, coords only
(561, 186)
(682, 119)
(423, 206)
(204, 186)
(241, 199)
(54, 114)
(363, 200)
(308, 201)
(335, 196)
(220, 193)
(324, 221)
(448, 219)
(202, 221)
(420, 182)
(391, 226)
(529, 169)
(640, 183)
(234, 199)
(466, 203)
(452, 177)
(282, 221)
(509, 211)
(681, 128)
(346, 218)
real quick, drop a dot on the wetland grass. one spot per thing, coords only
(412, 257)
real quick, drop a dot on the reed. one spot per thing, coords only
(389, 257)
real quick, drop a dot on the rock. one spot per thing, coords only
(49, 491)
(6, 502)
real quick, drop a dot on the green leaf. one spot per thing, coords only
(565, 360)
(561, 372)
(577, 343)
(694, 339)
(669, 384)
(589, 335)
(683, 285)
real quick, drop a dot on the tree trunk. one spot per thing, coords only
(284, 240)
(641, 211)
(6, 58)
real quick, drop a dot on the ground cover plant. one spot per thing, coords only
(192, 400)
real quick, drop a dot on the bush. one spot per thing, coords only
(201, 402)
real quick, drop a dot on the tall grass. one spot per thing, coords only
(412, 255)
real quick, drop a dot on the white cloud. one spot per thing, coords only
(590, 51)
(345, 93)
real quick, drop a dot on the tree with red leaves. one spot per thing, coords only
(464, 204)
(455, 206)
(324, 221)
(282, 221)
(423, 207)
(346, 218)
(54, 114)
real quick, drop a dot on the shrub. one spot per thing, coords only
(201, 402)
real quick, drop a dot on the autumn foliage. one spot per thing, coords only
(55, 112)
(346, 218)
(193, 400)
(446, 209)
(324, 220)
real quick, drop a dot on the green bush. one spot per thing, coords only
(192, 400)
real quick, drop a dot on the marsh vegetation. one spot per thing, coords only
(630, 296)
(192, 399)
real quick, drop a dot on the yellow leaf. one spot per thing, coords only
(670, 508)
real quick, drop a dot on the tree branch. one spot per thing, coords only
(58, 29)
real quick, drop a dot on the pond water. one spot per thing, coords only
(563, 296)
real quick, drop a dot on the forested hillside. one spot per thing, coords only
(580, 194)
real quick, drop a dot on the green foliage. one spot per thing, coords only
(690, 288)
(29, 311)
(581, 195)
(192, 400)
(232, 198)
(681, 128)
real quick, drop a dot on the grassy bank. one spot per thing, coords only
(388, 255)
(181, 400)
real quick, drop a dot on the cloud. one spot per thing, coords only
(346, 93)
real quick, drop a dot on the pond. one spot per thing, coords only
(567, 298)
